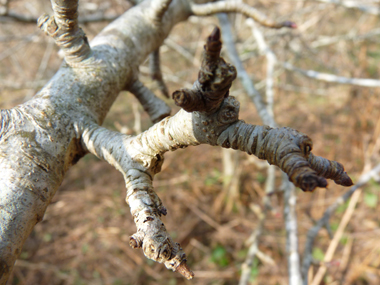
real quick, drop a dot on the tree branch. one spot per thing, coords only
(246, 81)
(159, 7)
(290, 200)
(155, 72)
(63, 28)
(333, 78)
(238, 7)
(351, 4)
(154, 106)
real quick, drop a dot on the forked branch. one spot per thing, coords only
(210, 116)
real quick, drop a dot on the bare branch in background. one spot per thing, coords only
(154, 106)
(333, 78)
(253, 243)
(271, 62)
(266, 113)
(324, 221)
(324, 41)
(238, 7)
(246, 81)
(370, 9)
(155, 72)
(290, 216)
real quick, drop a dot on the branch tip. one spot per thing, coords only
(185, 271)
(344, 180)
(289, 24)
(215, 34)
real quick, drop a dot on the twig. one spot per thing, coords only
(333, 78)
(271, 62)
(334, 243)
(352, 4)
(290, 216)
(253, 249)
(182, 51)
(154, 106)
(155, 72)
(238, 7)
(246, 81)
(313, 232)
(64, 29)
(324, 41)
(267, 116)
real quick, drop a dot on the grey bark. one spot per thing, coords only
(39, 140)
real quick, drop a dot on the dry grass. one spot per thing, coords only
(84, 236)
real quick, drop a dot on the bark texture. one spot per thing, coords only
(41, 139)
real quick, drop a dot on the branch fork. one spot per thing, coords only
(209, 116)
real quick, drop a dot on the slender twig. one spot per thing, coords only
(271, 62)
(373, 10)
(154, 106)
(253, 249)
(246, 81)
(238, 7)
(290, 198)
(155, 72)
(334, 243)
(333, 78)
(313, 232)
(182, 51)
(324, 41)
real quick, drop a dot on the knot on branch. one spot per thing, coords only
(210, 126)
(214, 80)
(68, 36)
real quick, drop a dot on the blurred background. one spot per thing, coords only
(214, 208)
